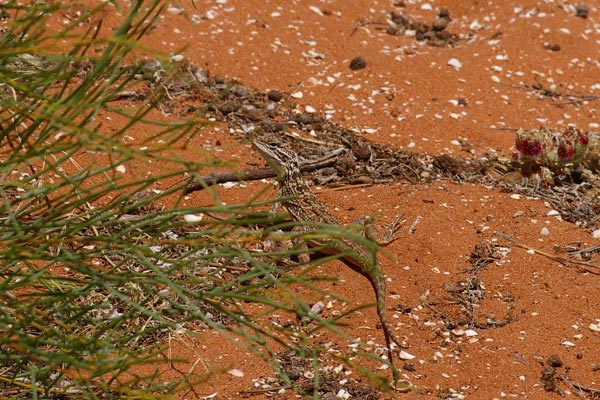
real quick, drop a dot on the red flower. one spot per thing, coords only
(576, 135)
(529, 147)
(565, 150)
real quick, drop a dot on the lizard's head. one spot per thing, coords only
(276, 153)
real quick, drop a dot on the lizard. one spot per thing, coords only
(304, 206)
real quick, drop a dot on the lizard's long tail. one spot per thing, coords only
(380, 291)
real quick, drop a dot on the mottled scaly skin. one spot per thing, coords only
(305, 206)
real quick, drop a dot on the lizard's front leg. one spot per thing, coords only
(367, 227)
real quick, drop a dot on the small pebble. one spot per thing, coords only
(582, 10)
(240, 91)
(357, 63)
(440, 23)
(275, 95)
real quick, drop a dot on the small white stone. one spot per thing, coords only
(228, 185)
(236, 372)
(406, 356)
(594, 327)
(174, 10)
(192, 218)
(310, 109)
(121, 168)
(515, 196)
(553, 212)
(316, 10)
(545, 231)
(475, 26)
(297, 95)
(568, 343)
(596, 234)
(453, 62)
(471, 333)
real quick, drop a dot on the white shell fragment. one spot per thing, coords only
(595, 327)
(406, 356)
(192, 218)
(453, 62)
(471, 333)
(236, 372)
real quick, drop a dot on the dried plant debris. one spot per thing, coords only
(468, 294)
(467, 305)
(401, 24)
(333, 383)
(565, 176)
(486, 253)
(554, 380)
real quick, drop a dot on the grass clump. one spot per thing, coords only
(100, 260)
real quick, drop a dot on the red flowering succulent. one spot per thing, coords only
(552, 149)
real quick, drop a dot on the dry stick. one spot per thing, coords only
(580, 387)
(586, 250)
(577, 99)
(205, 181)
(564, 261)
(573, 98)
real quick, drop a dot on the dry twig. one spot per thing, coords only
(564, 261)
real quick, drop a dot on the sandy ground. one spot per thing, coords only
(465, 100)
